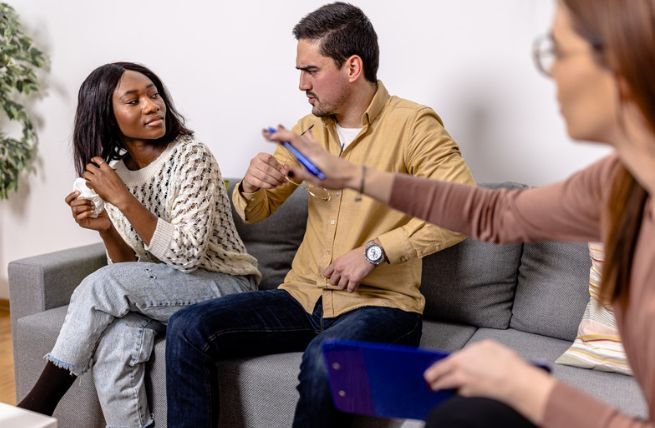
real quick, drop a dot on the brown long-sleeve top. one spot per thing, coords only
(572, 210)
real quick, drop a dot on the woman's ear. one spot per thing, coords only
(631, 118)
(625, 93)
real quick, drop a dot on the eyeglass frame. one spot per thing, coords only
(309, 191)
(538, 53)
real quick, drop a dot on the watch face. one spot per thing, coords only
(374, 253)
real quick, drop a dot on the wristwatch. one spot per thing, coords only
(374, 253)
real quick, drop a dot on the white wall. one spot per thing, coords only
(230, 69)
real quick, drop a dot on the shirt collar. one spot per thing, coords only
(377, 104)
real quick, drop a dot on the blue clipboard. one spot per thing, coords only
(381, 380)
(384, 380)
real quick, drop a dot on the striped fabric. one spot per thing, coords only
(598, 345)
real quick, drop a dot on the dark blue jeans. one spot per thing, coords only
(259, 323)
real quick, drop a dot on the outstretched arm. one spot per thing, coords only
(568, 210)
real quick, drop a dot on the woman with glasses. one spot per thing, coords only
(601, 56)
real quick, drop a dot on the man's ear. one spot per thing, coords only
(354, 67)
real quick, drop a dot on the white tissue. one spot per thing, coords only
(87, 193)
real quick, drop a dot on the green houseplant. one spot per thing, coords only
(19, 62)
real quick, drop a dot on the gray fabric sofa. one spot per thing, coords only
(530, 297)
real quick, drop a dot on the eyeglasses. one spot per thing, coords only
(545, 52)
(317, 192)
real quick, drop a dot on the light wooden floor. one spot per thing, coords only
(7, 386)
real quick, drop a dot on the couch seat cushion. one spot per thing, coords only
(616, 389)
(445, 336)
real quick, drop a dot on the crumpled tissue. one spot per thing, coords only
(87, 193)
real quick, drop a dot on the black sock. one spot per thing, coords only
(48, 390)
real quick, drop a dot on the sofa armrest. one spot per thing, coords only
(47, 281)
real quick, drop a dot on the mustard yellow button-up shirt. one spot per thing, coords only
(398, 136)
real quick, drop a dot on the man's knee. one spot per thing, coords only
(181, 323)
(194, 325)
(312, 367)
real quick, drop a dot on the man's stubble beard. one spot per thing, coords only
(328, 111)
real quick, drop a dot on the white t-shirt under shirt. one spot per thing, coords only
(346, 135)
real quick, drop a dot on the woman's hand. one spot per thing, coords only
(82, 210)
(106, 183)
(339, 172)
(488, 369)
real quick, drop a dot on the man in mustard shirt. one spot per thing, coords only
(357, 272)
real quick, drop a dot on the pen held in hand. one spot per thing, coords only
(304, 160)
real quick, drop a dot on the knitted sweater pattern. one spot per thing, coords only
(183, 187)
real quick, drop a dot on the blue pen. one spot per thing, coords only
(309, 165)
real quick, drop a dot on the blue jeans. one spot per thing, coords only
(111, 323)
(259, 323)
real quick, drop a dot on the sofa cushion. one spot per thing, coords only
(552, 289)
(444, 336)
(156, 382)
(472, 282)
(598, 343)
(618, 390)
(245, 381)
(274, 240)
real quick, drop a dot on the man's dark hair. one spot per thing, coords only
(343, 30)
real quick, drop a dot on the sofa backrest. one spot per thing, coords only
(274, 240)
(472, 282)
(538, 288)
(553, 289)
